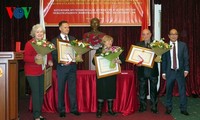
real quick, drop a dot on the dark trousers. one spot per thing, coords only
(153, 91)
(67, 74)
(179, 77)
(37, 89)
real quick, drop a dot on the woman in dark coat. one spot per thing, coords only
(106, 87)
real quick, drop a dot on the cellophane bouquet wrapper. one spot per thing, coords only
(42, 47)
(112, 56)
(159, 47)
(79, 52)
(80, 47)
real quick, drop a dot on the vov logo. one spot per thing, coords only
(18, 12)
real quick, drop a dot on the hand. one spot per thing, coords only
(117, 60)
(185, 73)
(50, 63)
(138, 64)
(38, 57)
(164, 76)
(67, 63)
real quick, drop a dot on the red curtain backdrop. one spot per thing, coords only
(185, 18)
(126, 101)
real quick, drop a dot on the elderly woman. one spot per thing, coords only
(35, 71)
(106, 87)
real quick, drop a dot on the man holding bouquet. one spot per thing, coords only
(145, 74)
(66, 72)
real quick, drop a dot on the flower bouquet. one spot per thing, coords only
(80, 48)
(112, 54)
(93, 39)
(159, 47)
(42, 47)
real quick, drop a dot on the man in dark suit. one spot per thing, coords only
(66, 71)
(175, 66)
(145, 74)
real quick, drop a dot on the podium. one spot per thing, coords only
(9, 85)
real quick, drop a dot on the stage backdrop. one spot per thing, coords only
(110, 12)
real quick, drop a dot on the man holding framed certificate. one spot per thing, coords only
(106, 82)
(145, 74)
(66, 67)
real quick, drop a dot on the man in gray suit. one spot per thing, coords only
(175, 66)
(66, 71)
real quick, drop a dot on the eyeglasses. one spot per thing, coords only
(173, 34)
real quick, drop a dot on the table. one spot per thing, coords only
(126, 100)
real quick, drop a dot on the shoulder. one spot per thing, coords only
(182, 43)
(29, 41)
(140, 43)
(71, 37)
(55, 39)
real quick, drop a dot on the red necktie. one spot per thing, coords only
(174, 57)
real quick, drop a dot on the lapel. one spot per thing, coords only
(179, 49)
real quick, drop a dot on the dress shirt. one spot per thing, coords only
(64, 37)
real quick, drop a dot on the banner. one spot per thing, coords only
(110, 12)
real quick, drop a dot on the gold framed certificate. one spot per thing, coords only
(65, 51)
(141, 55)
(47, 78)
(103, 69)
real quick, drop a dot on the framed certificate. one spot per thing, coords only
(65, 52)
(103, 69)
(47, 78)
(141, 55)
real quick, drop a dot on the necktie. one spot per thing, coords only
(147, 45)
(66, 38)
(174, 57)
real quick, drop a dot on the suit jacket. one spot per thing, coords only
(183, 58)
(145, 71)
(55, 52)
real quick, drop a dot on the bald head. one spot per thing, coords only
(172, 31)
(146, 34)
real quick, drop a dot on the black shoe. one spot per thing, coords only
(112, 112)
(142, 109)
(185, 113)
(42, 118)
(168, 111)
(154, 110)
(62, 114)
(76, 113)
(99, 114)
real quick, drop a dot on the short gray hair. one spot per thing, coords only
(34, 29)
